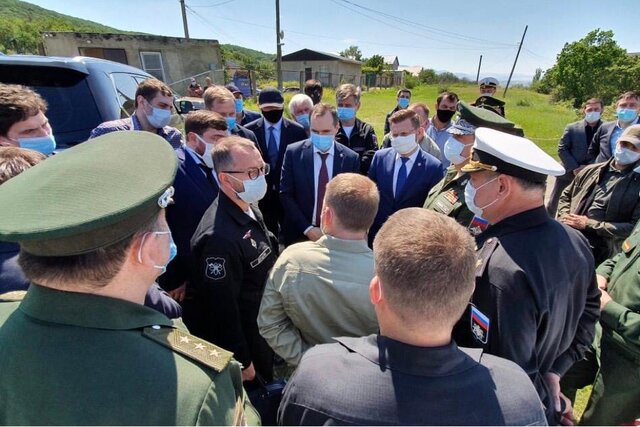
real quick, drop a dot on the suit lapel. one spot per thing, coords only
(282, 146)
(388, 164)
(197, 174)
(260, 130)
(338, 160)
(307, 164)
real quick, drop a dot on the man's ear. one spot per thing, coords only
(375, 291)
(506, 185)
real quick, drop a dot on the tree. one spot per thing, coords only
(352, 52)
(428, 76)
(592, 66)
(375, 64)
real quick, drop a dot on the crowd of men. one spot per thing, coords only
(152, 276)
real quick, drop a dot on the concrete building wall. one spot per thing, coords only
(181, 59)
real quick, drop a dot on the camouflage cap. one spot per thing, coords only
(631, 135)
(89, 196)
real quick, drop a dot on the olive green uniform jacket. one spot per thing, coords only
(447, 197)
(72, 358)
(615, 399)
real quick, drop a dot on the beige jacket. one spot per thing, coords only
(316, 291)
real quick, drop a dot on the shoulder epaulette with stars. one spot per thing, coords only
(484, 254)
(190, 346)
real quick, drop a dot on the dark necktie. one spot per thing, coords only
(272, 149)
(209, 174)
(323, 179)
(402, 177)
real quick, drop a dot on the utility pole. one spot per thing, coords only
(279, 35)
(479, 65)
(515, 61)
(184, 20)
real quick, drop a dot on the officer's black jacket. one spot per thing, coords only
(233, 255)
(536, 283)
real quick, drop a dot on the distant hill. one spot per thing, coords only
(256, 54)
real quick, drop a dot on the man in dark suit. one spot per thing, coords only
(274, 133)
(196, 187)
(220, 100)
(605, 139)
(404, 173)
(573, 149)
(307, 168)
(353, 132)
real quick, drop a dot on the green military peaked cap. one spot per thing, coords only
(89, 196)
(470, 118)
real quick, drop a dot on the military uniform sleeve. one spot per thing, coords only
(623, 320)
(585, 332)
(226, 402)
(606, 268)
(275, 325)
(220, 280)
(564, 150)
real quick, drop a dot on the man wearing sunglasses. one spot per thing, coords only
(233, 253)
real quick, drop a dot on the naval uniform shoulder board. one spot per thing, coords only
(190, 346)
(484, 254)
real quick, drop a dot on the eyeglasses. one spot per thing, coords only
(254, 173)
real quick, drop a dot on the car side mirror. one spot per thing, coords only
(185, 106)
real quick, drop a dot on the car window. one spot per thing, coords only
(126, 86)
(72, 110)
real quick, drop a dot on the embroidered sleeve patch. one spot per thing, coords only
(214, 268)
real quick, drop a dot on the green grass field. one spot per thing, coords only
(542, 121)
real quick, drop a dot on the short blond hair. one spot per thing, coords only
(348, 193)
(406, 114)
(14, 161)
(346, 90)
(323, 108)
(215, 94)
(426, 265)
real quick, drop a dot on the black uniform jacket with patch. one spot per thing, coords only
(233, 255)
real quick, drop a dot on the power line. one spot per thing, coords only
(213, 5)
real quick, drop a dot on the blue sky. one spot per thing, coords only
(444, 35)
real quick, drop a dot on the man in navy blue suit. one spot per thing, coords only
(220, 100)
(195, 187)
(274, 133)
(307, 168)
(404, 173)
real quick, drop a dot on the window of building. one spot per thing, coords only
(152, 64)
(116, 55)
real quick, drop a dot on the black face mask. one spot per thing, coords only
(272, 116)
(316, 96)
(445, 115)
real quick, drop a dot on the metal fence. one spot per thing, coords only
(217, 77)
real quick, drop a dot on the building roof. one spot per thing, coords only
(314, 55)
(413, 69)
(390, 59)
(125, 36)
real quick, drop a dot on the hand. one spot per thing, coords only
(314, 234)
(179, 293)
(579, 222)
(248, 374)
(566, 419)
(602, 282)
(577, 170)
(604, 298)
(553, 384)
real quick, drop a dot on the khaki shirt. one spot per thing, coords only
(78, 359)
(316, 291)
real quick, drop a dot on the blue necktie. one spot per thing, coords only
(272, 149)
(402, 177)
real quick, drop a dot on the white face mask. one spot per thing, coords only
(453, 151)
(254, 189)
(404, 144)
(469, 197)
(624, 156)
(208, 160)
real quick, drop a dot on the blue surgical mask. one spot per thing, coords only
(469, 198)
(43, 144)
(624, 156)
(626, 114)
(453, 151)
(239, 105)
(346, 113)
(159, 117)
(592, 116)
(322, 142)
(173, 250)
(231, 122)
(403, 102)
(303, 120)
